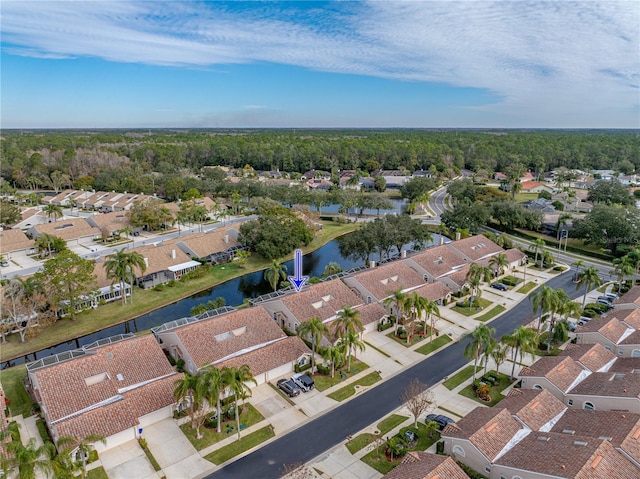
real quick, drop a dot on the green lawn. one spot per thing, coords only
(495, 393)
(325, 382)
(415, 339)
(467, 311)
(492, 313)
(384, 426)
(457, 379)
(14, 390)
(348, 391)
(244, 444)
(97, 473)
(522, 197)
(249, 417)
(437, 343)
(527, 287)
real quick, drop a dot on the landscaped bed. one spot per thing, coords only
(324, 381)
(384, 426)
(478, 306)
(244, 444)
(350, 390)
(494, 389)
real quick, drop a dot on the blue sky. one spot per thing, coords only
(124, 64)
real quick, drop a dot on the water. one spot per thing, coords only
(233, 291)
(399, 207)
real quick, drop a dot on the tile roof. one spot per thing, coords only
(14, 240)
(562, 371)
(370, 313)
(562, 456)
(433, 291)
(631, 317)
(102, 374)
(609, 384)
(202, 245)
(529, 185)
(475, 247)
(321, 300)
(424, 465)
(271, 356)
(533, 407)
(439, 260)
(611, 328)
(460, 277)
(633, 338)
(382, 281)
(216, 338)
(68, 229)
(631, 296)
(625, 365)
(514, 254)
(114, 221)
(159, 257)
(592, 356)
(488, 429)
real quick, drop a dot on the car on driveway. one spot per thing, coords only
(289, 387)
(303, 381)
(440, 419)
(4, 263)
(500, 286)
(611, 296)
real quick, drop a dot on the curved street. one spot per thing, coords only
(328, 430)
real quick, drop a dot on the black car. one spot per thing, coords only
(440, 419)
(289, 387)
(500, 286)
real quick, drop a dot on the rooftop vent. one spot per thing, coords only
(543, 438)
(119, 377)
(568, 431)
(96, 379)
(580, 443)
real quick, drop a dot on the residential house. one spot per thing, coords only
(110, 224)
(108, 289)
(540, 204)
(29, 217)
(437, 292)
(534, 187)
(72, 229)
(322, 300)
(615, 389)
(123, 203)
(594, 357)
(438, 264)
(164, 263)
(15, 241)
(611, 333)
(538, 410)
(515, 258)
(319, 184)
(424, 465)
(316, 174)
(246, 336)
(629, 300)
(97, 201)
(557, 374)
(60, 199)
(475, 248)
(215, 246)
(112, 388)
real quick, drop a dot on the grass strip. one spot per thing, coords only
(527, 287)
(434, 345)
(20, 402)
(492, 313)
(362, 440)
(238, 447)
(97, 473)
(457, 379)
(152, 459)
(350, 390)
(449, 411)
(377, 349)
(324, 382)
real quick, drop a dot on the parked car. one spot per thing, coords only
(604, 298)
(605, 302)
(610, 296)
(440, 419)
(289, 387)
(303, 381)
(4, 263)
(500, 286)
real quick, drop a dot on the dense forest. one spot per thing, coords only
(143, 160)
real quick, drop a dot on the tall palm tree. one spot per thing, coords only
(590, 279)
(477, 275)
(490, 347)
(395, 303)
(335, 355)
(348, 321)
(186, 390)
(274, 273)
(331, 269)
(30, 458)
(538, 248)
(622, 267)
(212, 384)
(579, 264)
(52, 210)
(315, 328)
(522, 341)
(236, 380)
(121, 266)
(479, 338)
(543, 301)
(351, 341)
(84, 446)
(415, 306)
(499, 263)
(431, 311)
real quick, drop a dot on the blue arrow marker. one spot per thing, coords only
(298, 280)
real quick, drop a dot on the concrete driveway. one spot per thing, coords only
(173, 451)
(126, 461)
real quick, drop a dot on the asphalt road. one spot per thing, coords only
(321, 434)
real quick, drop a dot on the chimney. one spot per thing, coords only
(173, 254)
(226, 238)
(403, 253)
(372, 264)
(146, 262)
(457, 235)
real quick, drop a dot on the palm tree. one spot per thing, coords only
(522, 341)
(335, 355)
(431, 310)
(634, 257)
(351, 342)
(348, 321)
(212, 385)
(476, 275)
(415, 306)
(479, 339)
(543, 301)
(538, 247)
(30, 457)
(499, 262)
(562, 221)
(590, 279)
(579, 264)
(490, 347)
(121, 266)
(314, 328)
(236, 381)
(623, 267)
(186, 390)
(52, 210)
(395, 302)
(499, 354)
(274, 273)
(84, 447)
(331, 269)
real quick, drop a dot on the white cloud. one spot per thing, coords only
(550, 59)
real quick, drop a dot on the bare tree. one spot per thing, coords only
(297, 470)
(418, 398)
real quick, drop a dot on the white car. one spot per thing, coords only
(303, 381)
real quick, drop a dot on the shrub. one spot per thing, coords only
(440, 447)
(510, 281)
(171, 283)
(211, 423)
(158, 287)
(143, 442)
(93, 456)
(384, 326)
(483, 392)
(297, 368)
(322, 369)
(180, 365)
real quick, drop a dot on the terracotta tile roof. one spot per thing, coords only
(114, 221)
(68, 387)
(533, 407)
(370, 313)
(631, 317)
(321, 300)
(269, 357)
(382, 281)
(592, 356)
(475, 247)
(514, 254)
(633, 338)
(439, 260)
(560, 455)
(424, 465)
(488, 429)
(631, 296)
(615, 426)
(202, 245)
(14, 240)
(460, 277)
(68, 229)
(210, 340)
(529, 185)
(433, 291)
(611, 328)
(609, 384)
(562, 371)
(625, 365)
(159, 258)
